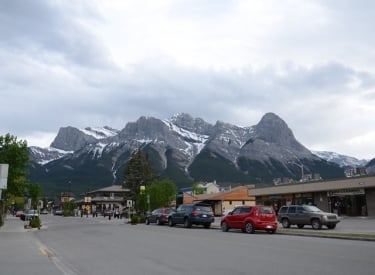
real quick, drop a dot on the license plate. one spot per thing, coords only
(204, 216)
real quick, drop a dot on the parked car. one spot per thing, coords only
(19, 214)
(29, 215)
(159, 216)
(107, 213)
(44, 212)
(189, 214)
(58, 213)
(250, 218)
(302, 215)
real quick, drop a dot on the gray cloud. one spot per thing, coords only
(57, 70)
(50, 32)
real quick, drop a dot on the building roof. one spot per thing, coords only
(350, 183)
(112, 188)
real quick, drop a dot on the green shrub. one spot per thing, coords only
(35, 223)
(134, 219)
(142, 219)
(137, 219)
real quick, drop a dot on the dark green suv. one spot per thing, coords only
(302, 215)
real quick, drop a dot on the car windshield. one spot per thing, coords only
(203, 208)
(311, 208)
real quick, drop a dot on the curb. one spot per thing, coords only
(320, 234)
(333, 235)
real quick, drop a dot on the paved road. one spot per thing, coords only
(99, 246)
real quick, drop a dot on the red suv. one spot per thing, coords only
(250, 218)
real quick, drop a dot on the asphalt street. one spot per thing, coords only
(101, 246)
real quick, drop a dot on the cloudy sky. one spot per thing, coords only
(96, 63)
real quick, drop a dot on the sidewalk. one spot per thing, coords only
(14, 224)
(353, 228)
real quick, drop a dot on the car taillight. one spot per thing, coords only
(195, 213)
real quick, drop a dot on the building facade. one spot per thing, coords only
(351, 196)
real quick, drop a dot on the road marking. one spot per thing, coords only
(43, 251)
(64, 268)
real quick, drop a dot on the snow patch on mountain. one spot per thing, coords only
(100, 132)
(341, 160)
(98, 150)
(43, 156)
(195, 142)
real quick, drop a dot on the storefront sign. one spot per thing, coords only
(347, 192)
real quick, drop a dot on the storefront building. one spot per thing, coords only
(110, 197)
(351, 196)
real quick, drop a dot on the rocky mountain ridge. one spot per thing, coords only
(182, 148)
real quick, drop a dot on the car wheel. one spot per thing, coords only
(170, 222)
(187, 223)
(207, 225)
(158, 221)
(224, 227)
(285, 222)
(300, 226)
(147, 221)
(316, 224)
(331, 226)
(249, 228)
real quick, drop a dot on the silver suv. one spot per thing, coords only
(302, 215)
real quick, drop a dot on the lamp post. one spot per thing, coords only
(300, 165)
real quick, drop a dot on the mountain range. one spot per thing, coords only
(182, 148)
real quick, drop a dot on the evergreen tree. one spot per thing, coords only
(14, 153)
(138, 172)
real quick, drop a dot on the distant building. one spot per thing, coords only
(283, 180)
(209, 187)
(355, 172)
(110, 197)
(220, 201)
(311, 177)
(66, 197)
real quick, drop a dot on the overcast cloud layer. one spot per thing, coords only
(96, 63)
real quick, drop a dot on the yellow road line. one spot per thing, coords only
(44, 251)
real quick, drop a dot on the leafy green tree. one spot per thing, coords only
(162, 193)
(138, 172)
(68, 208)
(14, 153)
(197, 190)
(34, 192)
